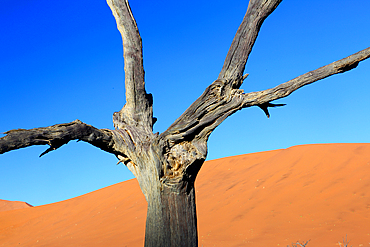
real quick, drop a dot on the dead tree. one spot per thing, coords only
(166, 164)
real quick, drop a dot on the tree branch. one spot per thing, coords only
(223, 97)
(138, 108)
(56, 136)
(241, 47)
(220, 100)
(285, 89)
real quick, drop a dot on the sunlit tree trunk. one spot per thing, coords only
(166, 164)
(171, 218)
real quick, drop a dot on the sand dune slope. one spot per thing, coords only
(11, 205)
(317, 192)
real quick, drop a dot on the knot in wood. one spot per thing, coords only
(118, 120)
(125, 118)
(179, 158)
(346, 67)
(222, 87)
(237, 82)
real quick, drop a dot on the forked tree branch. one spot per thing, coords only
(220, 100)
(57, 135)
(138, 108)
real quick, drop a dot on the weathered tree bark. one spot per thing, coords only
(166, 165)
(171, 216)
(57, 135)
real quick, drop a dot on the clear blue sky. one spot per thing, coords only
(62, 60)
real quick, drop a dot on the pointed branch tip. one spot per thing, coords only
(46, 151)
(264, 107)
(245, 76)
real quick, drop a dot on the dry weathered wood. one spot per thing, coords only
(57, 135)
(166, 165)
(241, 47)
(285, 89)
(171, 217)
(220, 100)
(138, 109)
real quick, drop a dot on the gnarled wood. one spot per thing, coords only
(220, 100)
(138, 108)
(56, 136)
(166, 165)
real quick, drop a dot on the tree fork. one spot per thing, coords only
(166, 165)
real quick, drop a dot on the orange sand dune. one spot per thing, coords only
(11, 205)
(317, 192)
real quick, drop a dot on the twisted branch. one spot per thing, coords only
(221, 100)
(56, 136)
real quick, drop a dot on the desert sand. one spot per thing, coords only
(11, 205)
(309, 192)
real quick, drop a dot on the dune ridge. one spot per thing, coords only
(6, 205)
(318, 192)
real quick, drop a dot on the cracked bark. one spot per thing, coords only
(166, 164)
(57, 135)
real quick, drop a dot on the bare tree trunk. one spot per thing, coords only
(166, 165)
(171, 215)
(171, 218)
